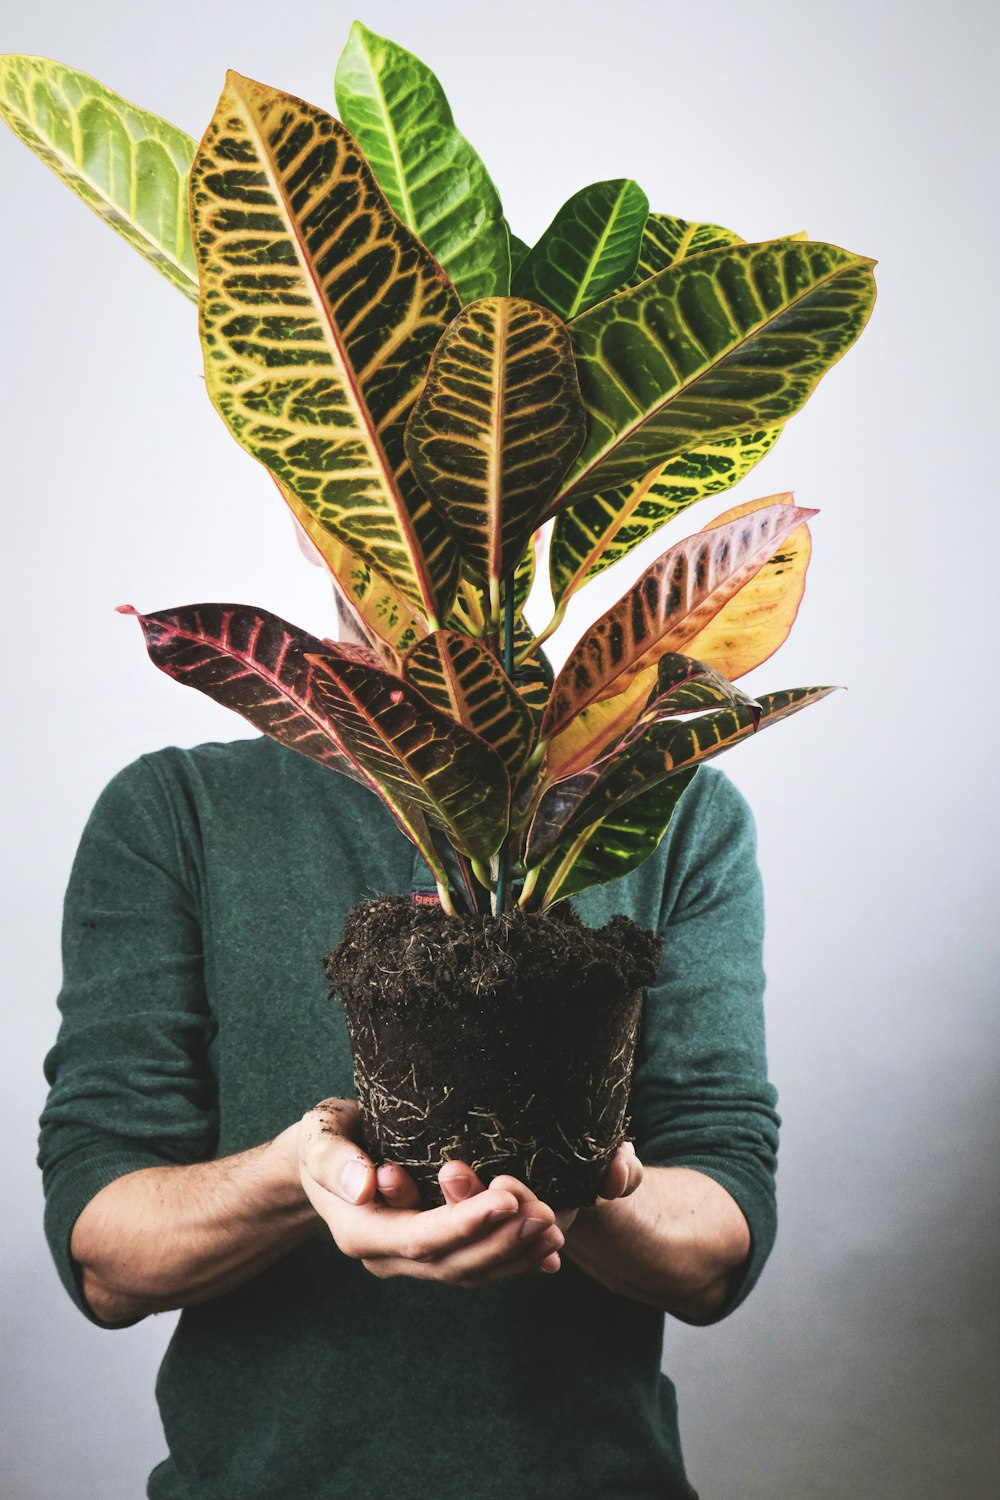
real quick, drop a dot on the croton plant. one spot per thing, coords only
(440, 406)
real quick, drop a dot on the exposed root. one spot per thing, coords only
(504, 1042)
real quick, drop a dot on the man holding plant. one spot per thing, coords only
(336, 1340)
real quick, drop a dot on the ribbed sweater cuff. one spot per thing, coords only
(68, 1192)
(755, 1201)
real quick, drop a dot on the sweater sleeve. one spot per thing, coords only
(130, 1079)
(701, 1097)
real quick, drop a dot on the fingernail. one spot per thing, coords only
(352, 1180)
(531, 1227)
(458, 1187)
(548, 1268)
(496, 1214)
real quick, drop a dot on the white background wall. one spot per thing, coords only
(865, 1366)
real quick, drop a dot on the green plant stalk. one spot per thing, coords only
(542, 637)
(503, 868)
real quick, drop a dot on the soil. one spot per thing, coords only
(506, 1042)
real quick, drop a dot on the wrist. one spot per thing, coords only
(605, 1217)
(282, 1165)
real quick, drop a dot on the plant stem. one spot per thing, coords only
(530, 881)
(444, 896)
(543, 635)
(503, 868)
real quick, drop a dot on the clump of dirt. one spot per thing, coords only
(506, 1042)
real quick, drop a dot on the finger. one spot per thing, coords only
(504, 1253)
(458, 1181)
(436, 1231)
(396, 1186)
(511, 1247)
(523, 1246)
(635, 1174)
(624, 1173)
(330, 1157)
(615, 1179)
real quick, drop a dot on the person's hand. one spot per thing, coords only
(622, 1177)
(480, 1234)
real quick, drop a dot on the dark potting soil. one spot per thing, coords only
(506, 1042)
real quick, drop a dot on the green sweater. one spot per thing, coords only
(196, 1023)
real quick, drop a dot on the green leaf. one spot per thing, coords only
(432, 177)
(409, 748)
(524, 574)
(126, 164)
(498, 423)
(664, 609)
(613, 845)
(731, 341)
(667, 240)
(575, 806)
(465, 681)
(518, 250)
(319, 313)
(588, 250)
(599, 530)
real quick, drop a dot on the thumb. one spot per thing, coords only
(329, 1153)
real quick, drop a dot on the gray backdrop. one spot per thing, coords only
(866, 1363)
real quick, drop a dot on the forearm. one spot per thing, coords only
(168, 1237)
(674, 1243)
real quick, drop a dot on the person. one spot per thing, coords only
(334, 1340)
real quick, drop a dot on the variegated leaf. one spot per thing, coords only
(494, 430)
(654, 752)
(384, 617)
(684, 685)
(319, 312)
(524, 573)
(590, 248)
(599, 730)
(533, 677)
(410, 749)
(730, 341)
(745, 633)
(434, 180)
(465, 681)
(663, 611)
(756, 621)
(595, 532)
(616, 843)
(128, 165)
(667, 240)
(469, 615)
(258, 665)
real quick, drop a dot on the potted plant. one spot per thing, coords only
(432, 397)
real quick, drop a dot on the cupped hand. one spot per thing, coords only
(621, 1178)
(479, 1234)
